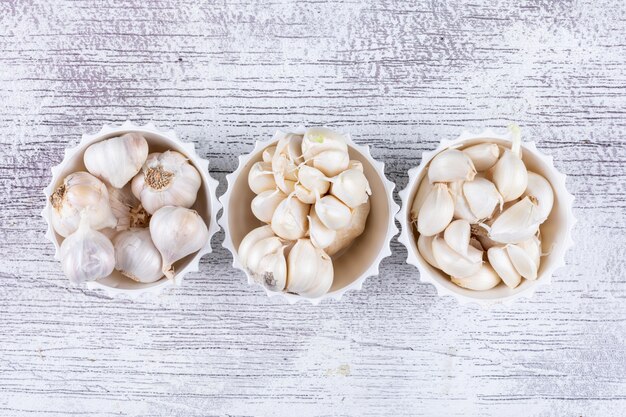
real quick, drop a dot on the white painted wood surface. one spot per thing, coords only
(398, 75)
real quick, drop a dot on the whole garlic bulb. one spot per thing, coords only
(80, 192)
(166, 179)
(309, 270)
(351, 187)
(86, 254)
(136, 256)
(176, 233)
(117, 160)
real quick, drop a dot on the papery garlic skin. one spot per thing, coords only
(532, 247)
(264, 205)
(540, 189)
(483, 155)
(289, 220)
(250, 240)
(461, 206)
(309, 270)
(451, 165)
(176, 233)
(321, 236)
(127, 208)
(261, 177)
(166, 179)
(332, 212)
(117, 160)
(517, 223)
(86, 255)
(482, 197)
(267, 264)
(425, 248)
(320, 139)
(420, 197)
(351, 187)
(484, 279)
(436, 211)
(136, 256)
(522, 262)
(454, 264)
(80, 192)
(501, 263)
(346, 235)
(457, 236)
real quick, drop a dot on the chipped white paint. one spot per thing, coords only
(399, 76)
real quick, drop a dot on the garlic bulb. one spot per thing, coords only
(425, 247)
(517, 223)
(166, 179)
(436, 212)
(117, 160)
(321, 236)
(320, 139)
(264, 205)
(482, 197)
(127, 208)
(332, 162)
(261, 177)
(309, 270)
(267, 264)
(332, 212)
(176, 233)
(501, 263)
(522, 261)
(80, 192)
(86, 254)
(509, 174)
(451, 165)
(540, 189)
(289, 220)
(346, 235)
(136, 256)
(484, 279)
(250, 240)
(483, 155)
(453, 263)
(351, 187)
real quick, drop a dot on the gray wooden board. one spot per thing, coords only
(399, 76)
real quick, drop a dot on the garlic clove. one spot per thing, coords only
(166, 179)
(461, 206)
(290, 145)
(516, 224)
(305, 195)
(264, 204)
(117, 160)
(425, 248)
(261, 177)
(250, 240)
(482, 197)
(355, 164)
(331, 162)
(332, 212)
(320, 139)
(80, 192)
(436, 212)
(457, 236)
(127, 208)
(483, 155)
(267, 263)
(136, 256)
(451, 262)
(509, 174)
(501, 263)
(86, 254)
(532, 247)
(451, 165)
(268, 153)
(522, 262)
(321, 236)
(351, 187)
(289, 220)
(313, 179)
(484, 279)
(309, 270)
(346, 235)
(420, 197)
(285, 172)
(177, 232)
(540, 189)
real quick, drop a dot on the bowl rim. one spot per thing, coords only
(406, 233)
(112, 130)
(372, 270)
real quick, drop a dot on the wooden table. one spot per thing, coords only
(399, 76)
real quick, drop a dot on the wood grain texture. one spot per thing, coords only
(398, 75)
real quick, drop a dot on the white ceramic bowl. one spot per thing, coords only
(206, 204)
(555, 232)
(359, 261)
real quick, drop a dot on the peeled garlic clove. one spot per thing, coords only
(166, 179)
(264, 205)
(532, 247)
(331, 162)
(420, 197)
(425, 248)
(289, 220)
(452, 263)
(80, 192)
(320, 139)
(482, 197)
(346, 235)
(484, 279)
(436, 212)
(176, 233)
(86, 254)
(261, 177)
(268, 153)
(136, 256)
(332, 212)
(117, 160)
(457, 236)
(309, 270)
(522, 262)
(355, 164)
(540, 189)
(321, 236)
(313, 179)
(250, 240)
(351, 187)
(451, 165)
(483, 155)
(501, 263)
(516, 224)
